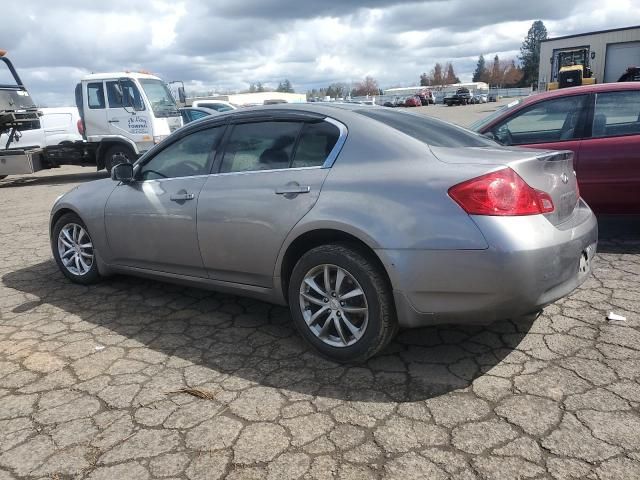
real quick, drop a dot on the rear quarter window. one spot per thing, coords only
(428, 130)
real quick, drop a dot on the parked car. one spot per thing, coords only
(340, 212)
(492, 97)
(426, 98)
(462, 96)
(57, 125)
(600, 124)
(189, 114)
(412, 101)
(483, 97)
(217, 105)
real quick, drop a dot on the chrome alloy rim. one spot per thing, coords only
(334, 305)
(75, 249)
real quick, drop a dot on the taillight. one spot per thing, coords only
(502, 192)
(80, 126)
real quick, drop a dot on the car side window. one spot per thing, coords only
(130, 95)
(188, 156)
(547, 121)
(315, 144)
(260, 146)
(616, 113)
(95, 95)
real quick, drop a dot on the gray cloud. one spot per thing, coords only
(229, 43)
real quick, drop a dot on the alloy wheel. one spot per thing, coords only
(334, 305)
(75, 249)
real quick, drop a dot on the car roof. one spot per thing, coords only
(583, 89)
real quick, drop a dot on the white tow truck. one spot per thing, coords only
(122, 115)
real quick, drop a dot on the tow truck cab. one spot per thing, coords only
(125, 113)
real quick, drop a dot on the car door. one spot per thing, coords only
(556, 124)
(269, 177)
(609, 165)
(126, 113)
(151, 222)
(94, 110)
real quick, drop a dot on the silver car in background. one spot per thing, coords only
(362, 219)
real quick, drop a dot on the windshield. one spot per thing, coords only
(162, 103)
(478, 125)
(6, 77)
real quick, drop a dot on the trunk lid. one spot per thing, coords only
(549, 171)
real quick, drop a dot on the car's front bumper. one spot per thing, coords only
(530, 263)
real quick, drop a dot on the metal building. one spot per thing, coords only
(608, 53)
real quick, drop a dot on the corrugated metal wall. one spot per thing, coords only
(597, 44)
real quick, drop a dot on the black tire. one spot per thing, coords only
(382, 324)
(116, 154)
(92, 275)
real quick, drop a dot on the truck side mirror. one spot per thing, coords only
(122, 172)
(182, 96)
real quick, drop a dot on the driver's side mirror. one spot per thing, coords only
(182, 96)
(122, 172)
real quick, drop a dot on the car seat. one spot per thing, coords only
(599, 125)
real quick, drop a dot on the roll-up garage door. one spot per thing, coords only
(620, 56)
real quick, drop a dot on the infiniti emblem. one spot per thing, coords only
(564, 177)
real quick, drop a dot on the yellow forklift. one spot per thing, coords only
(574, 69)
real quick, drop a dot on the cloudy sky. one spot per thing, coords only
(227, 44)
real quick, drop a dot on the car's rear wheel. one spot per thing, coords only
(73, 250)
(341, 303)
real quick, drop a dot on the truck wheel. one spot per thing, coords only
(118, 154)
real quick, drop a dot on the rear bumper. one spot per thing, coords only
(530, 263)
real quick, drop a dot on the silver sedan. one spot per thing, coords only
(362, 219)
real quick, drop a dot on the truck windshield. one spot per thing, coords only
(162, 103)
(6, 77)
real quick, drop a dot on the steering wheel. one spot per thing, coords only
(195, 166)
(503, 135)
(144, 174)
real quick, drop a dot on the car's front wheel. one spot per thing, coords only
(341, 303)
(73, 250)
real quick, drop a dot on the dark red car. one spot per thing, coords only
(599, 123)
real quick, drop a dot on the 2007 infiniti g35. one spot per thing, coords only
(362, 219)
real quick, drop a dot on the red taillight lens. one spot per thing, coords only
(80, 127)
(502, 192)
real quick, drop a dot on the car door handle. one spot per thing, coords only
(114, 121)
(293, 189)
(181, 197)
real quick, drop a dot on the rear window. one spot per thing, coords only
(428, 130)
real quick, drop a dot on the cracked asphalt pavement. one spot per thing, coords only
(91, 379)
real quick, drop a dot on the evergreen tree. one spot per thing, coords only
(530, 52)
(480, 69)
